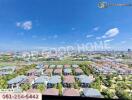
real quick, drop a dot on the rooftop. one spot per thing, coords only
(78, 70)
(39, 66)
(48, 71)
(46, 66)
(90, 92)
(71, 92)
(59, 66)
(67, 66)
(84, 79)
(51, 91)
(41, 79)
(17, 79)
(52, 66)
(8, 68)
(58, 71)
(69, 79)
(75, 66)
(55, 79)
(67, 70)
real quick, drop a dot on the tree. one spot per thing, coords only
(25, 86)
(60, 88)
(76, 86)
(41, 87)
(122, 94)
(3, 83)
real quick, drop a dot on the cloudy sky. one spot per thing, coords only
(52, 23)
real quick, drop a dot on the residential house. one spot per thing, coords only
(84, 80)
(78, 71)
(59, 66)
(40, 80)
(68, 81)
(90, 92)
(17, 81)
(75, 66)
(58, 71)
(54, 81)
(31, 72)
(40, 66)
(52, 66)
(46, 66)
(70, 92)
(51, 91)
(39, 72)
(6, 70)
(67, 71)
(48, 72)
(67, 66)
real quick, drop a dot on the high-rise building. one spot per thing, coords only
(129, 50)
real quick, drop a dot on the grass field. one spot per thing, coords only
(44, 62)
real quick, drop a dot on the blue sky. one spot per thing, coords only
(27, 24)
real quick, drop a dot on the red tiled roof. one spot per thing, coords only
(69, 79)
(78, 70)
(49, 71)
(71, 92)
(59, 71)
(67, 66)
(51, 91)
(46, 66)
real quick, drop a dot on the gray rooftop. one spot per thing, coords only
(39, 66)
(84, 79)
(52, 66)
(75, 66)
(67, 70)
(41, 79)
(8, 68)
(90, 92)
(55, 79)
(18, 79)
(81, 76)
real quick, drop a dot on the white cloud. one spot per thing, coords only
(98, 38)
(111, 33)
(27, 25)
(18, 24)
(89, 36)
(55, 36)
(109, 40)
(96, 28)
(73, 28)
(123, 42)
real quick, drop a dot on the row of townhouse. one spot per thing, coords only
(111, 69)
(85, 92)
(7, 70)
(49, 82)
(67, 80)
